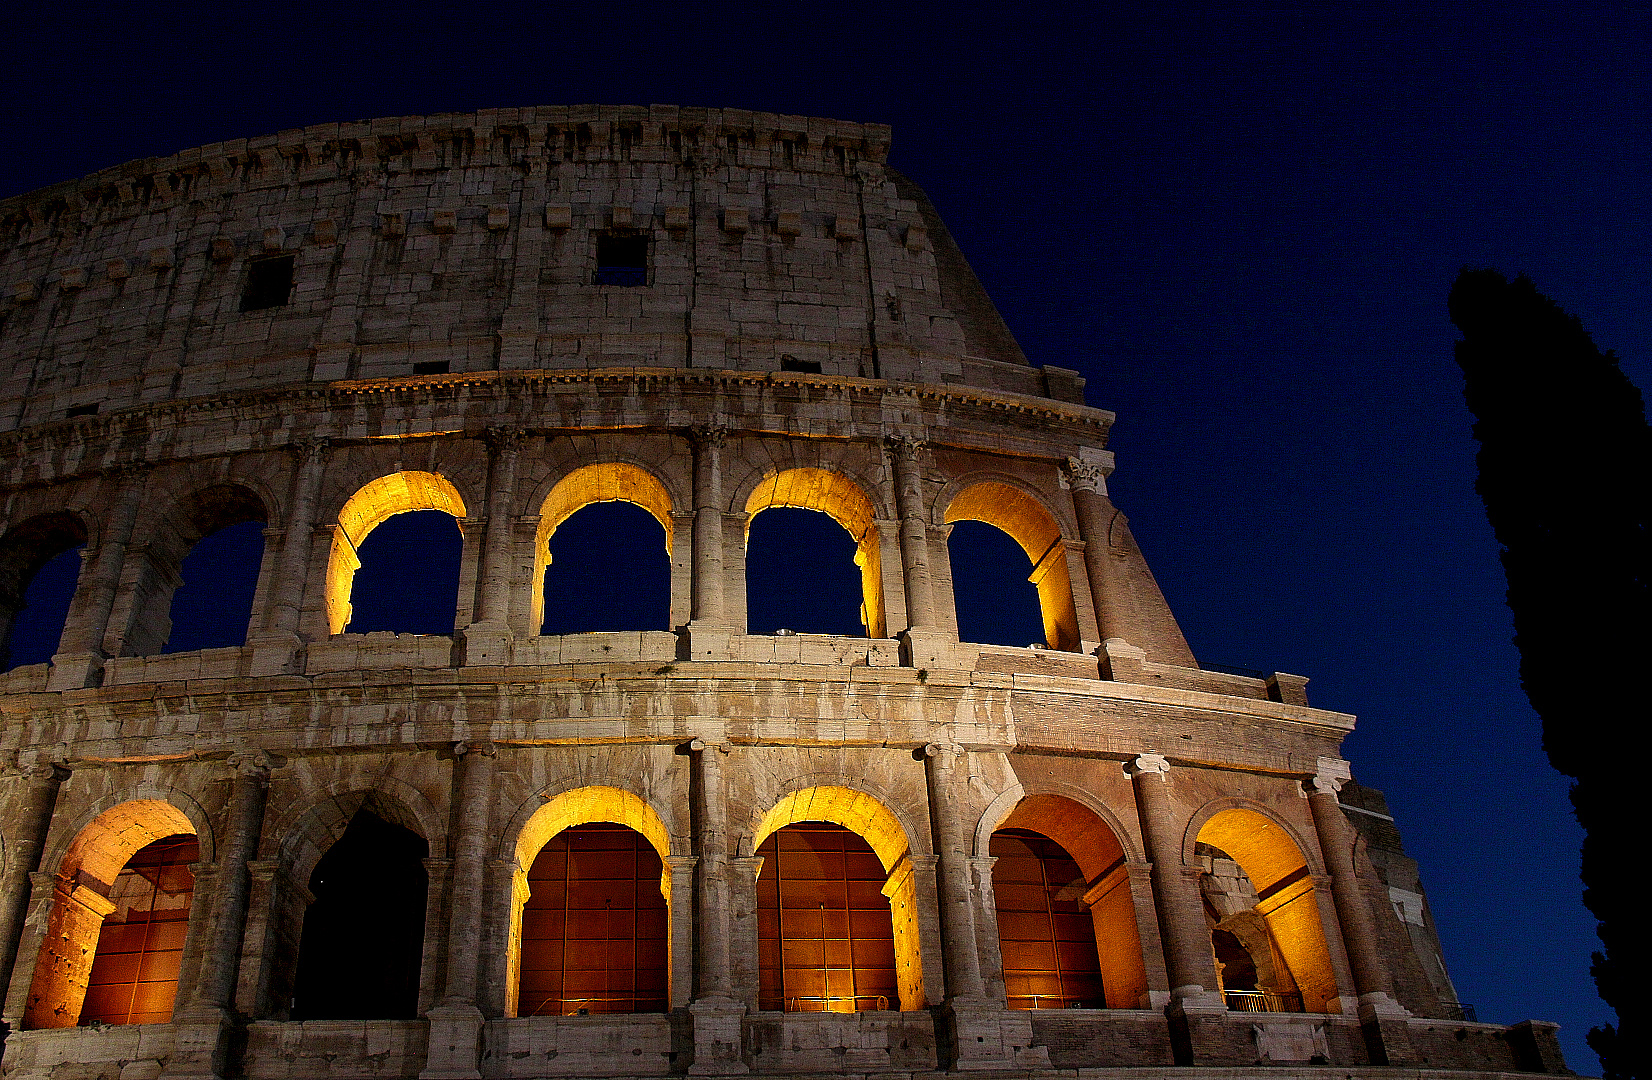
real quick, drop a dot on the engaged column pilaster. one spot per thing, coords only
(81, 650)
(275, 648)
(488, 639)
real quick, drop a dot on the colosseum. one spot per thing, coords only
(504, 846)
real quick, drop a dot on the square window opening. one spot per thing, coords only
(622, 259)
(792, 363)
(82, 410)
(431, 367)
(269, 284)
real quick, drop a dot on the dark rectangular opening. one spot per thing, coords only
(431, 367)
(269, 283)
(792, 363)
(83, 410)
(622, 260)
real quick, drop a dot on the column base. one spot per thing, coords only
(1387, 1030)
(455, 1051)
(1199, 1031)
(200, 1043)
(706, 642)
(718, 1037)
(983, 1036)
(75, 671)
(932, 649)
(275, 652)
(485, 646)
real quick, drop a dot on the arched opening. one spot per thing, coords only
(1266, 933)
(837, 909)
(785, 550)
(996, 602)
(424, 548)
(362, 944)
(583, 866)
(213, 605)
(602, 570)
(39, 569)
(134, 976)
(825, 936)
(606, 570)
(1029, 524)
(1066, 916)
(198, 574)
(130, 851)
(595, 930)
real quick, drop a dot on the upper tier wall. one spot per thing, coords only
(471, 241)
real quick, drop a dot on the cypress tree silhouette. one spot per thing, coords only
(1565, 472)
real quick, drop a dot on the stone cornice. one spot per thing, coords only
(95, 444)
(449, 140)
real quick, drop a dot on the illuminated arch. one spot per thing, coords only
(578, 806)
(607, 481)
(374, 504)
(1097, 846)
(844, 501)
(80, 902)
(869, 818)
(1030, 524)
(1275, 860)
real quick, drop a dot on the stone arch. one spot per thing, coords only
(183, 516)
(26, 547)
(1096, 840)
(306, 831)
(889, 838)
(1012, 507)
(992, 818)
(846, 502)
(604, 481)
(374, 503)
(1281, 869)
(85, 872)
(531, 830)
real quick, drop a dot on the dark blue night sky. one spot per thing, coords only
(1239, 224)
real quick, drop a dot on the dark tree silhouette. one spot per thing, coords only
(1565, 472)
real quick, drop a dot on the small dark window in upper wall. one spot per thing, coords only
(82, 410)
(269, 283)
(792, 363)
(430, 367)
(622, 260)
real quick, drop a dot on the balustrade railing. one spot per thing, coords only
(806, 1003)
(1262, 1001)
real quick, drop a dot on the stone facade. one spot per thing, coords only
(808, 336)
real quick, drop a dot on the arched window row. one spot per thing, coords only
(600, 910)
(610, 546)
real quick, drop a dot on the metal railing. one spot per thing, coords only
(800, 1003)
(1053, 1001)
(585, 1006)
(1460, 1010)
(1262, 1001)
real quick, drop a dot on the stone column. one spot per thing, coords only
(23, 848)
(1381, 1017)
(974, 1033)
(960, 956)
(681, 871)
(920, 607)
(275, 647)
(717, 1013)
(456, 1024)
(488, 638)
(80, 655)
(1197, 1010)
(1108, 593)
(204, 1021)
(986, 928)
(709, 629)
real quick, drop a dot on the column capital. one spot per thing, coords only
(945, 754)
(54, 771)
(255, 764)
(1086, 475)
(712, 435)
(309, 449)
(1150, 762)
(905, 445)
(482, 747)
(504, 438)
(1328, 777)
